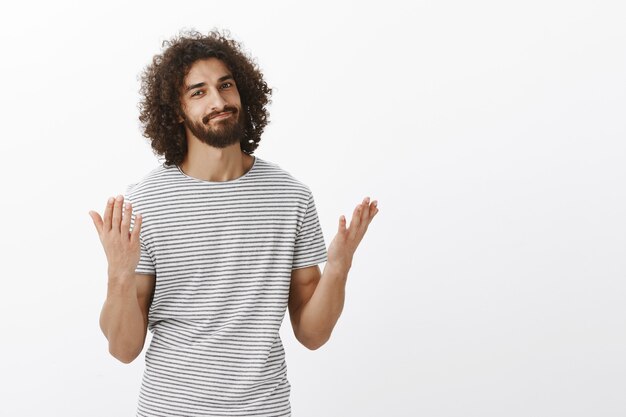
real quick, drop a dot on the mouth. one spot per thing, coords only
(221, 116)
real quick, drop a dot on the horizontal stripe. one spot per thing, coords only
(222, 254)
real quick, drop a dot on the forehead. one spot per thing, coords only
(209, 69)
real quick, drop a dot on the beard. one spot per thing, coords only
(220, 133)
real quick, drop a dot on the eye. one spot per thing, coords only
(199, 91)
(228, 84)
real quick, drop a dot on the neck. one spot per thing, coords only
(207, 163)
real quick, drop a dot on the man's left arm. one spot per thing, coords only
(316, 300)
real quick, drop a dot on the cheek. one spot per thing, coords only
(194, 112)
(233, 97)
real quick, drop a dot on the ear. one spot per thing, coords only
(179, 117)
(180, 113)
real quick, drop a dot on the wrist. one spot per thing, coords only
(121, 278)
(121, 288)
(338, 268)
(119, 271)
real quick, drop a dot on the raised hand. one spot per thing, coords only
(342, 248)
(121, 246)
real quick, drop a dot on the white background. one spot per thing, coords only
(493, 135)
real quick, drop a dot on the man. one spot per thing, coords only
(221, 243)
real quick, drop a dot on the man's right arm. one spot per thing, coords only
(124, 316)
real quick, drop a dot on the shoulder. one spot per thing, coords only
(283, 178)
(150, 183)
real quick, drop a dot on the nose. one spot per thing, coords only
(216, 102)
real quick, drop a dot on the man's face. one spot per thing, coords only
(211, 104)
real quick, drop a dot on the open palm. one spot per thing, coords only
(342, 248)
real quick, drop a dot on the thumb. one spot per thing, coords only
(342, 224)
(97, 221)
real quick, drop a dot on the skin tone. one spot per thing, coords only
(212, 119)
(342, 248)
(212, 110)
(121, 246)
(316, 299)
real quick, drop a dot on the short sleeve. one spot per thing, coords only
(310, 248)
(146, 262)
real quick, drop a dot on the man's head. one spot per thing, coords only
(211, 104)
(195, 79)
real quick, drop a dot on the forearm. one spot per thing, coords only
(122, 321)
(320, 314)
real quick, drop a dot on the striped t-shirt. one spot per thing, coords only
(222, 254)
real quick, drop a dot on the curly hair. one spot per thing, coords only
(162, 82)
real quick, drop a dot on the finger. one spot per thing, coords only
(134, 236)
(373, 209)
(117, 213)
(125, 228)
(342, 224)
(356, 221)
(97, 221)
(356, 216)
(365, 211)
(365, 219)
(108, 213)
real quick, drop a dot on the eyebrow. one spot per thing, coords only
(202, 84)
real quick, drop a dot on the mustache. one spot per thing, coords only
(233, 110)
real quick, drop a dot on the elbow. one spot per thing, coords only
(124, 357)
(125, 360)
(125, 351)
(313, 342)
(314, 346)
